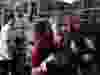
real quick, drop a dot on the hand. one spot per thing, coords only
(43, 67)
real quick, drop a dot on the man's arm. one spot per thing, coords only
(50, 58)
(3, 38)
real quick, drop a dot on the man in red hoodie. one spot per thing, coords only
(36, 54)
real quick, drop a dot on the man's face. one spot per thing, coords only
(61, 23)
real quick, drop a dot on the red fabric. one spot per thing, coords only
(36, 51)
(39, 73)
(75, 19)
(35, 56)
